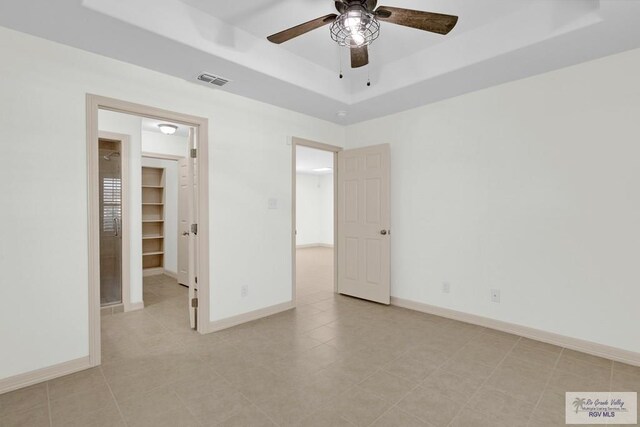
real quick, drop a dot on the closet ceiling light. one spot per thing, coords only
(168, 129)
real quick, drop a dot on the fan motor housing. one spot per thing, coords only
(343, 5)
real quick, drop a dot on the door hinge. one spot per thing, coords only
(196, 280)
(194, 153)
(194, 305)
(194, 229)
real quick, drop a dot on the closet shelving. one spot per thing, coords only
(153, 197)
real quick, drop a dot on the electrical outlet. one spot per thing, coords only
(244, 291)
(495, 295)
(446, 287)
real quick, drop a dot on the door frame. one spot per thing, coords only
(295, 141)
(124, 141)
(94, 103)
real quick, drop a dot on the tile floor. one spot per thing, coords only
(314, 272)
(333, 361)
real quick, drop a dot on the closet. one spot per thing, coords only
(153, 217)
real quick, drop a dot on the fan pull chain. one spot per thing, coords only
(340, 56)
(369, 68)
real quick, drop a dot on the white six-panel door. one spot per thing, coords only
(187, 215)
(364, 223)
(184, 223)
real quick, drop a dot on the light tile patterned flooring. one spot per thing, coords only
(334, 361)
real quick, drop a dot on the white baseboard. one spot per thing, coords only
(218, 325)
(152, 271)
(595, 349)
(112, 309)
(40, 375)
(171, 274)
(134, 306)
(314, 245)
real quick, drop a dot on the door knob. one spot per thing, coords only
(383, 232)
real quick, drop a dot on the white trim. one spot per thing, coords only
(160, 156)
(44, 374)
(595, 349)
(170, 273)
(218, 325)
(157, 271)
(93, 225)
(336, 175)
(135, 306)
(317, 145)
(314, 245)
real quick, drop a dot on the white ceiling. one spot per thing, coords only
(265, 17)
(308, 160)
(495, 41)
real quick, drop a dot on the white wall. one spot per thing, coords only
(314, 209)
(43, 249)
(326, 203)
(159, 143)
(530, 187)
(170, 209)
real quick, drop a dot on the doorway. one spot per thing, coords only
(113, 193)
(151, 247)
(361, 224)
(167, 206)
(314, 213)
(110, 165)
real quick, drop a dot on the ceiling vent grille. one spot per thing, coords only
(214, 80)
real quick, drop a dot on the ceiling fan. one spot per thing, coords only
(357, 25)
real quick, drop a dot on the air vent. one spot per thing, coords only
(211, 79)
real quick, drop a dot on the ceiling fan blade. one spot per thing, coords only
(359, 56)
(427, 21)
(301, 29)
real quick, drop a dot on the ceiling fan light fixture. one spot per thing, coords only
(356, 27)
(168, 129)
(357, 39)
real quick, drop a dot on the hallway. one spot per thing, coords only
(314, 272)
